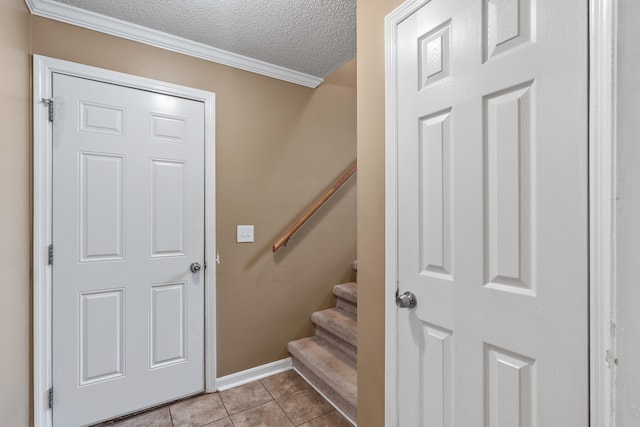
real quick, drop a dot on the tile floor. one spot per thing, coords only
(278, 401)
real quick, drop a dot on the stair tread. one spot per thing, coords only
(339, 323)
(330, 365)
(347, 291)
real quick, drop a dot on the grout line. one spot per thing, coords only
(257, 406)
(265, 387)
(225, 409)
(251, 407)
(224, 405)
(300, 391)
(285, 413)
(307, 386)
(276, 401)
(287, 394)
(230, 420)
(111, 422)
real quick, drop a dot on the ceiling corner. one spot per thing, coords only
(32, 5)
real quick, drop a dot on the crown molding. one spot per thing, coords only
(116, 27)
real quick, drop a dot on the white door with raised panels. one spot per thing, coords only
(128, 222)
(492, 213)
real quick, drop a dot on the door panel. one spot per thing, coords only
(167, 324)
(101, 200)
(507, 189)
(101, 330)
(128, 220)
(492, 213)
(168, 208)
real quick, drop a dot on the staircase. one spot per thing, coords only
(327, 360)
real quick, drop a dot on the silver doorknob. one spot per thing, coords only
(406, 300)
(195, 267)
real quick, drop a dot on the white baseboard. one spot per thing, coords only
(346, 417)
(254, 374)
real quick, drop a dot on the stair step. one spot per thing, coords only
(347, 297)
(339, 328)
(328, 369)
(347, 291)
(338, 322)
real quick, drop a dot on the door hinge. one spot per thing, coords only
(50, 254)
(49, 102)
(51, 398)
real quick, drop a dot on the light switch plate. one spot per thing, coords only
(245, 234)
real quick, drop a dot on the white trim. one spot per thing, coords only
(602, 196)
(254, 374)
(43, 69)
(42, 166)
(83, 18)
(391, 207)
(321, 393)
(210, 249)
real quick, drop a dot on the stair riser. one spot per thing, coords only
(347, 291)
(337, 322)
(350, 350)
(347, 306)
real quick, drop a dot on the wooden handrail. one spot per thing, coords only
(317, 205)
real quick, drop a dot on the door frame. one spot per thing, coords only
(602, 191)
(43, 70)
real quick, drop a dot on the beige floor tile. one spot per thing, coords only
(266, 415)
(304, 405)
(225, 422)
(245, 397)
(284, 383)
(250, 405)
(332, 419)
(198, 411)
(156, 418)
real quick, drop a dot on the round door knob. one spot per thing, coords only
(195, 267)
(406, 300)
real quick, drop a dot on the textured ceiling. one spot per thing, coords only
(314, 37)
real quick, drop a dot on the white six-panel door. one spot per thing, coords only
(128, 220)
(492, 213)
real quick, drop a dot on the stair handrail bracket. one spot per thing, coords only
(282, 241)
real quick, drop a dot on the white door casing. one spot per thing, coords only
(491, 169)
(173, 356)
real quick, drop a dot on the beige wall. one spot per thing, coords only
(278, 147)
(15, 213)
(371, 167)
